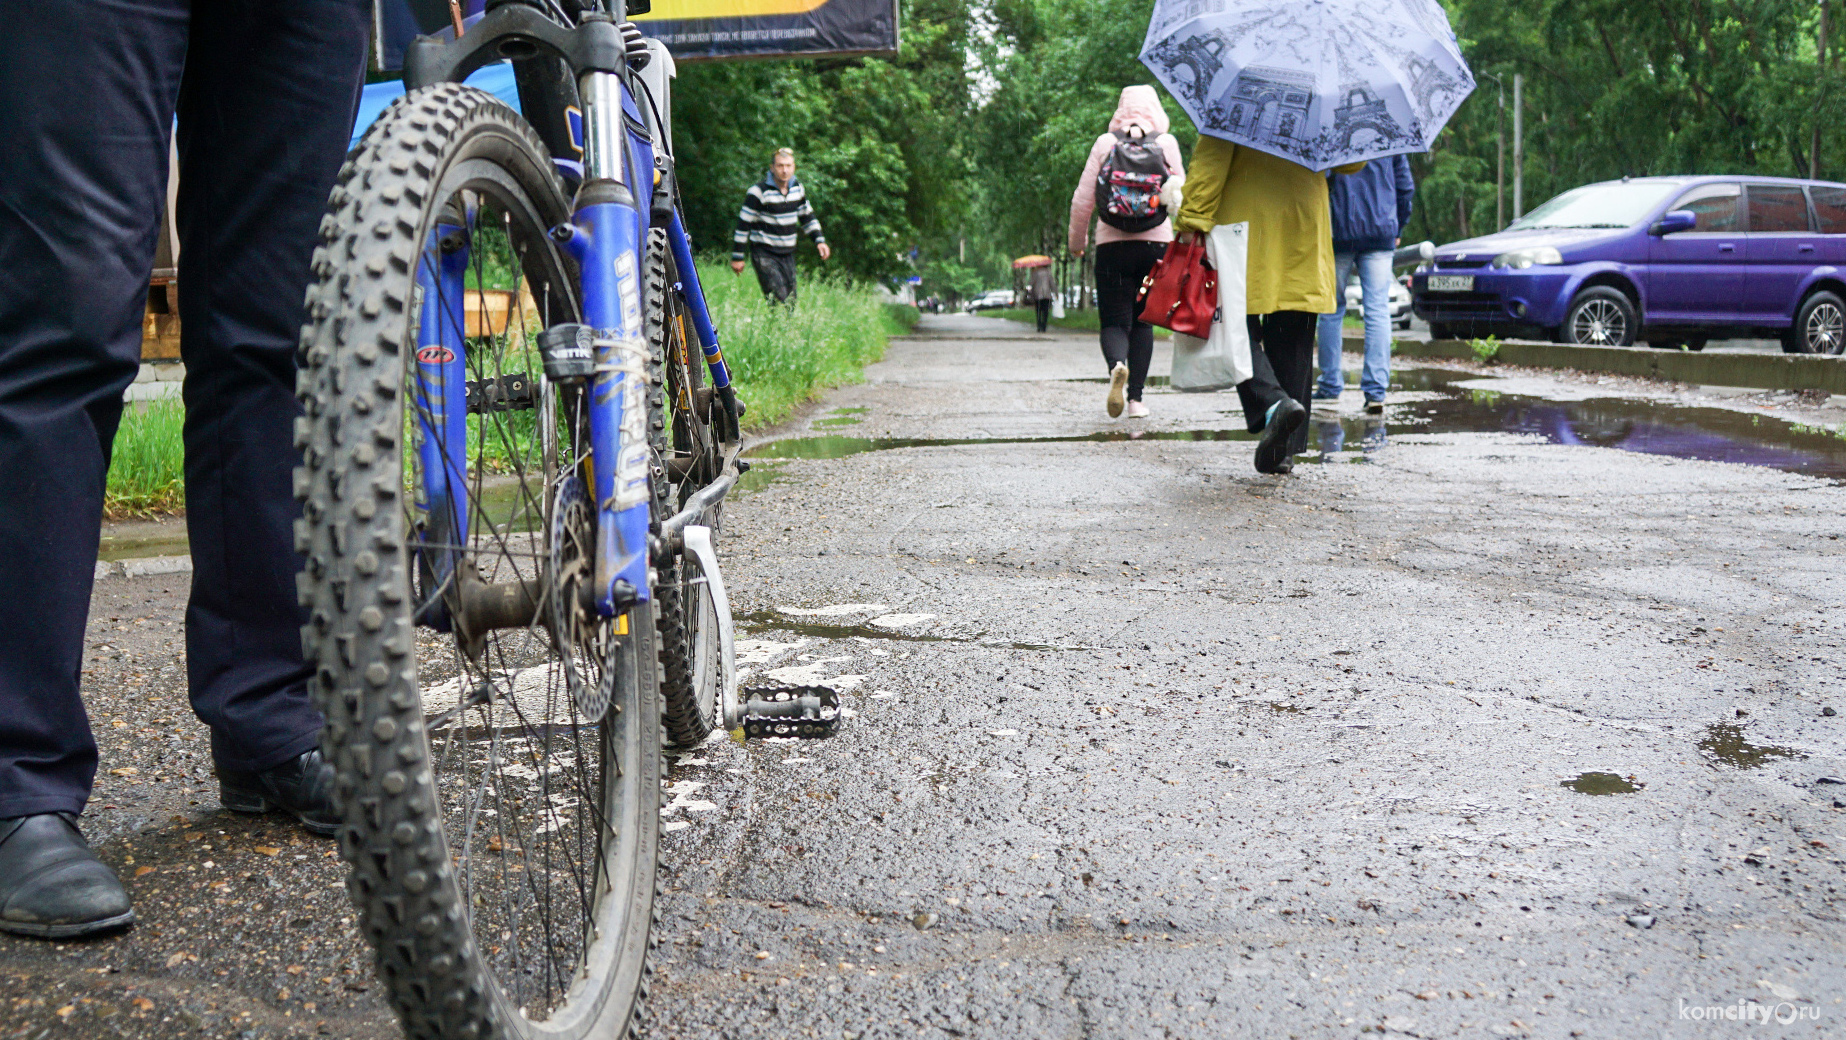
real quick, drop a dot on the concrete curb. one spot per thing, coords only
(143, 567)
(1761, 371)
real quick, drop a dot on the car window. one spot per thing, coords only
(1715, 206)
(1830, 207)
(1778, 207)
(1616, 205)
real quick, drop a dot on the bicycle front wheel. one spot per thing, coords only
(498, 768)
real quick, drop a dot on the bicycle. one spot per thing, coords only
(514, 466)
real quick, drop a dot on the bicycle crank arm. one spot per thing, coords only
(672, 530)
(697, 541)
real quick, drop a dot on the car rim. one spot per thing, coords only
(1826, 330)
(1599, 323)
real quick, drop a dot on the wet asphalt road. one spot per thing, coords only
(1144, 744)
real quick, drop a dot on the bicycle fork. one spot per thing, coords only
(605, 238)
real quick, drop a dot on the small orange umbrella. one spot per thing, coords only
(1035, 260)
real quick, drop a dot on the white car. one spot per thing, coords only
(990, 300)
(1400, 301)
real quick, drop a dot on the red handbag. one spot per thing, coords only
(1181, 292)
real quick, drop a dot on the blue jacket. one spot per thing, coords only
(1371, 207)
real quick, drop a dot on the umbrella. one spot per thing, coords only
(1035, 260)
(1319, 82)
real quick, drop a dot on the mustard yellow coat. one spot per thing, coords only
(1291, 230)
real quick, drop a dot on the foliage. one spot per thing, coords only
(783, 356)
(879, 142)
(1485, 349)
(1083, 321)
(1618, 89)
(147, 465)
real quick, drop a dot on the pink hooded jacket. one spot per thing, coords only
(1139, 107)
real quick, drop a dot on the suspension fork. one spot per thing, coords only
(441, 405)
(694, 295)
(605, 238)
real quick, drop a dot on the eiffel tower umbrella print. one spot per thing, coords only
(1319, 82)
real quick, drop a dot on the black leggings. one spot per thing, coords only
(1120, 267)
(1282, 363)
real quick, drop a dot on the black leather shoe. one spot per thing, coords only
(1272, 451)
(303, 786)
(52, 886)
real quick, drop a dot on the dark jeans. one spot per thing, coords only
(1120, 267)
(775, 272)
(265, 109)
(1044, 313)
(1282, 360)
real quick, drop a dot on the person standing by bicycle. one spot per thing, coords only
(774, 210)
(265, 96)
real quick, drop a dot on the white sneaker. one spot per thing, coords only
(1137, 410)
(1118, 386)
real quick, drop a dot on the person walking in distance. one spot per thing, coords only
(1369, 210)
(1042, 289)
(265, 96)
(774, 211)
(1288, 278)
(1130, 184)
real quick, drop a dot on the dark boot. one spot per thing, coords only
(51, 885)
(302, 786)
(1272, 454)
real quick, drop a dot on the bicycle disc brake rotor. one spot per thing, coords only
(582, 635)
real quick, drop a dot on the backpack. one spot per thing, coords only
(1128, 186)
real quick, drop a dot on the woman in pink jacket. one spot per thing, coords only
(1123, 258)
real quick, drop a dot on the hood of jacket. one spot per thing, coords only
(1140, 106)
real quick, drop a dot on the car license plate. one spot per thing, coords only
(1451, 283)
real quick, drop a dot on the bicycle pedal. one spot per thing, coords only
(781, 710)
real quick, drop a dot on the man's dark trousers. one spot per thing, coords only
(775, 272)
(265, 92)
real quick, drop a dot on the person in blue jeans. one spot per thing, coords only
(1370, 209)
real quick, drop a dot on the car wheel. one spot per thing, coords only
(1599, 317)
(1441, 331)
(1820, 326)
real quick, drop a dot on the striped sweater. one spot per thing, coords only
(770, 218)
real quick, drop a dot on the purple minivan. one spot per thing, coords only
(1672, 261)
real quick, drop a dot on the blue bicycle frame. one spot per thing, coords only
(606, 237)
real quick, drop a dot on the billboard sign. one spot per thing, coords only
(699, 30)
(694, 30)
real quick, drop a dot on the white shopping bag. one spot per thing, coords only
(1222, 359)
(1057, 305)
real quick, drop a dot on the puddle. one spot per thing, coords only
(776, 621)
(1151, 380)
(838, 446)
(1648, 427)
(165, 539)
(761, 475)
(841, 417)
(1725, 742)
(1602, 783)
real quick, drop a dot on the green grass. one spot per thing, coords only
(780, 357)
(783, 357)
(146, 470)
(1082, 321)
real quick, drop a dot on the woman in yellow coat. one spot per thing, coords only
(1289, 278)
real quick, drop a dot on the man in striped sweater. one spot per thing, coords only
(774, 210)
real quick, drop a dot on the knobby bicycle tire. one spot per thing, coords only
(409, 879)
(687, 632)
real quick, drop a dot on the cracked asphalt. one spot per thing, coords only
(1142, 743)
